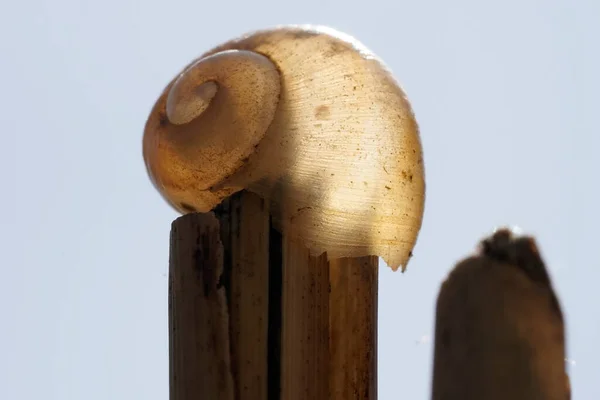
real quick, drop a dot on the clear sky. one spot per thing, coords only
(506, 94)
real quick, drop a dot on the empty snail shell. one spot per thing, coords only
(307, 118)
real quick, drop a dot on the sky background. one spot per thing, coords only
(506, 95)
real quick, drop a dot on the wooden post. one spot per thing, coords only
(499, 327)
(252, 316)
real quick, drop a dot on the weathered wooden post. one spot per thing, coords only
(296, 158)
(499, 327)
(254, 316)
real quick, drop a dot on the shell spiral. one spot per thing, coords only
(308, 119)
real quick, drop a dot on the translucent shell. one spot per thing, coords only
(308, 119)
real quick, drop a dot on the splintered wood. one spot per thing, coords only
(252, 316)
(330, 332)
(199, 345)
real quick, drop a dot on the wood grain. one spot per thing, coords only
(353, 328)
(199, 348)
(253, 316)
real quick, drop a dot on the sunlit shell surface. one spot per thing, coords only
(332, 143)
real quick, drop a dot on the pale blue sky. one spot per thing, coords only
(506, 94)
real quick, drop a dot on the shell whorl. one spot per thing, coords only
(320, 128)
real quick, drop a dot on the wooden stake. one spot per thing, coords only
(353, 328)
(199, 346)
(499, 327)
(253, 316)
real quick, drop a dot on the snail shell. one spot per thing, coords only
(307, 118)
